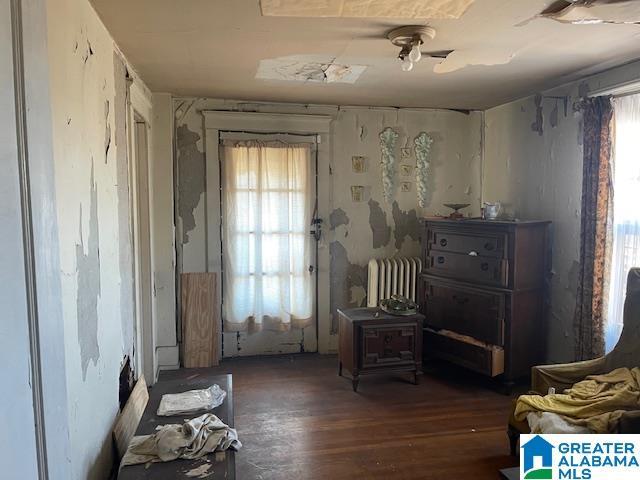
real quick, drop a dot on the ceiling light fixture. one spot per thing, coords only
(410, 40)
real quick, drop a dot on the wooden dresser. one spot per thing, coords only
(482, 291)
(372, 341)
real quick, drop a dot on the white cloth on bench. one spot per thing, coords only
(194, 438)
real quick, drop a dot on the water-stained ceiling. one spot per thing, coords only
(502, 49)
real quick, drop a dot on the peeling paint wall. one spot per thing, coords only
(90, 106)
(355, 231)
(533, 165)
(191, 177)
(88, 268)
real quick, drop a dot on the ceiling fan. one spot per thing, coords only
(410, 40)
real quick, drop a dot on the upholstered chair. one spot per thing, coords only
(626, 353)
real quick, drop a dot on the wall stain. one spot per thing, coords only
(88, 289)
(406, 225)
(378, 222)
(191, 177)
(345, 278)
(537, 125)
(338, 217)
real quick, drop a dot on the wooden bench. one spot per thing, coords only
(218, 465)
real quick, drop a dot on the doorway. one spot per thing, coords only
(269, 254)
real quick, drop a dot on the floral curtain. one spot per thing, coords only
(595, 230)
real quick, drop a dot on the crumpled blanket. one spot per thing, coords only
(596, 403)
(195, 438)
(547, 422)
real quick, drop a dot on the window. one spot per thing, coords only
(267, 197)
(626, 210)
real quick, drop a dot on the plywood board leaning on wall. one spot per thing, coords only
(129, 418)
(200, 320)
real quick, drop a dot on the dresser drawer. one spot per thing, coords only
(487, 244)
(388, 345)
(480, 358)
(476, 312)
(477, 269)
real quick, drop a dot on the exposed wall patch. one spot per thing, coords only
(537, 125)
(366, 8)
(380, 230)
(345, 279)
(191, 177)
(311, 68)
(406, 225)
(338, 217)
(88, 265)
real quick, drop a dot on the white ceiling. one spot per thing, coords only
(214, 47)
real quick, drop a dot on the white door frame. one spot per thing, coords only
(216, 121)
(139, 126)
(34, 360)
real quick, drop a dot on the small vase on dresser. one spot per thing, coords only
(483, 293)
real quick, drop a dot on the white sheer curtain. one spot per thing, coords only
(266, 242)
(626, 210)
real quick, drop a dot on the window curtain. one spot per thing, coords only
(595, 230)
(266, 242)
(626, 212)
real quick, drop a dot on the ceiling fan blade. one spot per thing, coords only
(438, 54)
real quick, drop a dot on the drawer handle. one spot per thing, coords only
(440, 260)
(484, 266)
(387, 338)
(489, 246)
(443, 242)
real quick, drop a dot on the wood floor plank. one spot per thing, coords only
(298, 420)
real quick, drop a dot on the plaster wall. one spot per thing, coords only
(90, 105)
(354, 232)
(533, 165)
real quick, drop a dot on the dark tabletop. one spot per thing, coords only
(374, 313)
(222, 464)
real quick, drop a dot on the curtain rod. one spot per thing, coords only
(248, 132)
(632, 87)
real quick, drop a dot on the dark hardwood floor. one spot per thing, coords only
(298, 420)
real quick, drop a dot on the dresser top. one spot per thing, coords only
(479, 221)
(363, 314)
